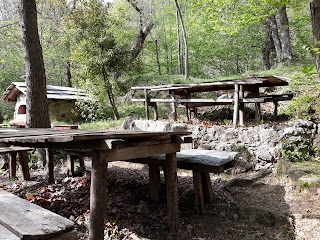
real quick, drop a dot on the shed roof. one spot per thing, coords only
(53, 92)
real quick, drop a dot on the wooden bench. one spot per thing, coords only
(20, 219)
(22, 153)
(201, 162)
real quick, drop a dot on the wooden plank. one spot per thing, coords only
(14, 149)
(206, 187)
(29, 221)
(5, 234)
(50, 164)
(241, 106)
(140, 152)
(146, 104)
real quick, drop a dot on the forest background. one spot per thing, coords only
(105, 47)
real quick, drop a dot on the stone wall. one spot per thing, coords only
(261, 146)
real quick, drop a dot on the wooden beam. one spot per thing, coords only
(146, 107)
(236, 104)
(241, 106)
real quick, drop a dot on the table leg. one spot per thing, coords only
(172, 191)
(50, 163)
(98, 197)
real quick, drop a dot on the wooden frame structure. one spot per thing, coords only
(244, 91)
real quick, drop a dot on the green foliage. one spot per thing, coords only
(306, 102)
(91, 110)
(299, 151)
(102, 125)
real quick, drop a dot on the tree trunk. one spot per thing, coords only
(179, 44)
(315, 20)
(37, 102)
(285, 34)
(267, 49)
(271, 21)
(157, 56)
(68, 74)
(185, 39)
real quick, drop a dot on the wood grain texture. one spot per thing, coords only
(30, 221)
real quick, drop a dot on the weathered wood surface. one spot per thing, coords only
(14, 149)
(5, 234)
(30, 221)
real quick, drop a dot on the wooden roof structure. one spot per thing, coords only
(53, 92)
(181, 89)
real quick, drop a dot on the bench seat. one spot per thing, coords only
(20, 219)
(201, 162)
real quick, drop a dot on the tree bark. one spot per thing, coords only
(268, 49)
(37, 102)
(271, 21)
(68, 74)
(315, 20)
(179, 44)
(185, 39)
(157, 56)
(285, 34)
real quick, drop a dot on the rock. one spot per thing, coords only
(127, 122)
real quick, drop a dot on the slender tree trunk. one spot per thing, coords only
(271, 21)
(267, 49)
(185, 39)
(68, 74)
(179, 44)
(37, 102)
(109, 91)
(315, 20)
(285, 34)
(157, 56)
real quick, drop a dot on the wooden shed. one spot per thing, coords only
(61, 102)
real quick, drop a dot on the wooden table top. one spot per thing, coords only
(53, 137)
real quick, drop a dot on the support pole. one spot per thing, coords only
(241, 106)
(98, 197)
(236, 104)
(174, 105)
(172, 191)
(146, 103)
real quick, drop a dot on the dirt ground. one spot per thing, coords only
(244, 208)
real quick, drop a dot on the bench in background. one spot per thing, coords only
(22, 153)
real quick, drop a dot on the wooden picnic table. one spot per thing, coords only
(245, 91)
(106, 146)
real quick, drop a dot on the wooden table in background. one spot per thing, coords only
(104, 147)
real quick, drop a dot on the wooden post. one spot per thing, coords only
(155, 111)
(98, 196)
(275, 112)
(236, 104)
(146, 103)
(23, 158)
(172, 191)
(154, 181)
(258, 112)
(50, 162)
(12, 165)
(70, 161)
(174, 105)
(198, 192)
(241, 106)
(207, 188)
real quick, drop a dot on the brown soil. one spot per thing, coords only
(269, 208)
